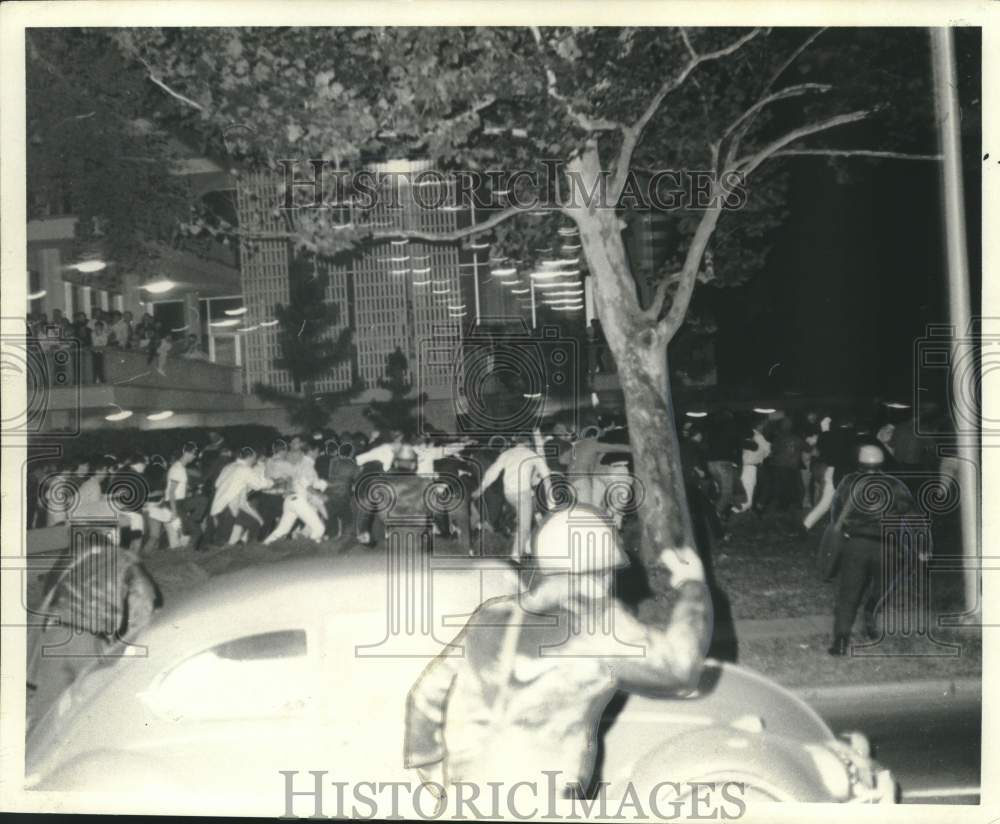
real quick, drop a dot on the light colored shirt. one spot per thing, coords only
(177, 474)
(278, 468)
(384, 454)
(755, 457)
(426, 455)
(304, 476)
(92, 502)
(236, 480)
(522, 469)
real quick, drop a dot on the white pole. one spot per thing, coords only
(959, 307)
(534, 319)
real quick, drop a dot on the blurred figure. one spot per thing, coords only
(230, 509)
(754, 452)
(852, 543)
(523, 470)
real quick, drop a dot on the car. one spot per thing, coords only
(305, 665)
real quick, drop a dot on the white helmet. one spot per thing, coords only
(870, 455)
(577, 539)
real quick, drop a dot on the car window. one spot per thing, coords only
(253, 676)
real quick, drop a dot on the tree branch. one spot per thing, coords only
(748, 163)
(667, 327)
(432, 237)
(855, 153)
(587, 123)
(633, 133)
(656, 304)
(783, 94)
(153, 76)
(767, 88)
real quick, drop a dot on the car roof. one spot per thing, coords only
(303, 589)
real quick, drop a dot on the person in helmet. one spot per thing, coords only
(852, 545)
(537, 670)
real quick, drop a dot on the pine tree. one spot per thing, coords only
(308, 351)
(399, 411)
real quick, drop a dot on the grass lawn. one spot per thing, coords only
(803, 662)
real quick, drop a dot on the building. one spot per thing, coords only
(410, 295)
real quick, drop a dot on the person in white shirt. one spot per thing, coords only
(301, 502)
(229, 506)
(523, 470)
(92, 501)
(182, 505)
(752, 459)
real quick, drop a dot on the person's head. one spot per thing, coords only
(560, 431)
(279, 449)
(312, 449)
(57, 315)
(100, 466)
(405, 460)
(99, 326)
(80, 317)
(214, 439)
(870, 457)
(189, 452)
(578, 540)
(296, 443)
(137, 462)
(127, 316)
(247, 455)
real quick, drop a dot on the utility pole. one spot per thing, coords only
(959, 305)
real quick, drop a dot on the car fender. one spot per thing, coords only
(769, 765)
(109, 770)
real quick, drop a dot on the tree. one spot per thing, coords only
(399, 411)
(96, 148)
(601, 104)
(308, 350)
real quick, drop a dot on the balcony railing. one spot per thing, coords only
(64, 364)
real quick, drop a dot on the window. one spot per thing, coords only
(266, 675)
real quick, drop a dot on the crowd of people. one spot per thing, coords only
(318, 485)
(325, 486)
(106, 330)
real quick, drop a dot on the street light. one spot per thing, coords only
(158, 287)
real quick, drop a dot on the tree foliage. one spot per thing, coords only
(95, 148)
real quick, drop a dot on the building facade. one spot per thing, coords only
(395, 294)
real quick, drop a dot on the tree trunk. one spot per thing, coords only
(642, 371)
